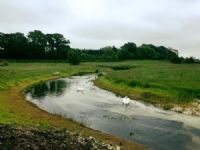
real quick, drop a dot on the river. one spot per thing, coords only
(103, 110)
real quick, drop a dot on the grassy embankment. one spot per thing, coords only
(156, 82)
(16, 111)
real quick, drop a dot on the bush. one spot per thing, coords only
(176, 60)
(74, 58)
(3, 63)
(190, 60)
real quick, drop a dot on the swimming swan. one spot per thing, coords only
(126, 100)
(80, 89)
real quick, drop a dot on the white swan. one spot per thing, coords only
(80, 89)
(126, 100)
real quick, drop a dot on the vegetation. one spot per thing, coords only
(36, 45)
(117, 67)
(40, 46)
(152, 80)
(157, 82)
(129, 51)
(16, 111)
(74, 58)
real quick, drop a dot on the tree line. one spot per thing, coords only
(129, 51)
(38, 45)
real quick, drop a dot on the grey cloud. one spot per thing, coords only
(97, 23)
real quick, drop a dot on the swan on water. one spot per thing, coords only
(126, 100)
(80, 89)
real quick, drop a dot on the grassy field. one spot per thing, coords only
(16, 111)
(157, 82)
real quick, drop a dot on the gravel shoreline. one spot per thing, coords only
(34, 139)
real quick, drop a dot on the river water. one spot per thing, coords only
(104, 111)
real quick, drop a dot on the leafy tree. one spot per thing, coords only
(176, 60)
(2, 50)
(145, 52)
(13, 45)
(124, 55)
(171, 55)
(57, 46)
(74, 57)
(189, 60)
(37, 44)
(128, 51)
(163, 52)
(109, 54)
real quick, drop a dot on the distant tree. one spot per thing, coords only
(146, 52)
(19, 45)
(74, 57)
(128, 51)
(172, 56)
(124, 55)
(37, 44)
(189, 60)
(176, 60)
(163, 52)
(13, 45)
(109, 53)
(57, 46)
(2, 47)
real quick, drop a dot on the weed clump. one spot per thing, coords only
(3, 63)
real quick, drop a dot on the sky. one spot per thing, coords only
(98, 23)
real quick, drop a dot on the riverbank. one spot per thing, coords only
(157, 82)
(16, 111)
(29, 138)
(189, 108)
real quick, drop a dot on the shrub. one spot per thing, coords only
(3, 63)
(74, 58)
(176, 60)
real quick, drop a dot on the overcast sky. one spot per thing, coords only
(98, 23)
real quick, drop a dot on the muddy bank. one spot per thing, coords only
(191, 109)
(35, 139)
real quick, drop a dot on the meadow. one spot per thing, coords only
(156, 82)
(16, 111)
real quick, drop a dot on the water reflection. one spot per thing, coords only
(103, 110)
(50, 88)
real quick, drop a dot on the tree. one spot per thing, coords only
(109, 54)
(128, 51)
(37, 44)
(2, 49)
(57, 46)
(190, 60)
(74, 57)
(13, 45)
(145, 52)
(163, 52)
(176, 60)
(172, 56)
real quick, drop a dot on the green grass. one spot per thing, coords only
(23, 74)
(15, 73)
(154, 81)
(151, 81)
(16, 111)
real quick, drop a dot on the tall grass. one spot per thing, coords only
(157, 81)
